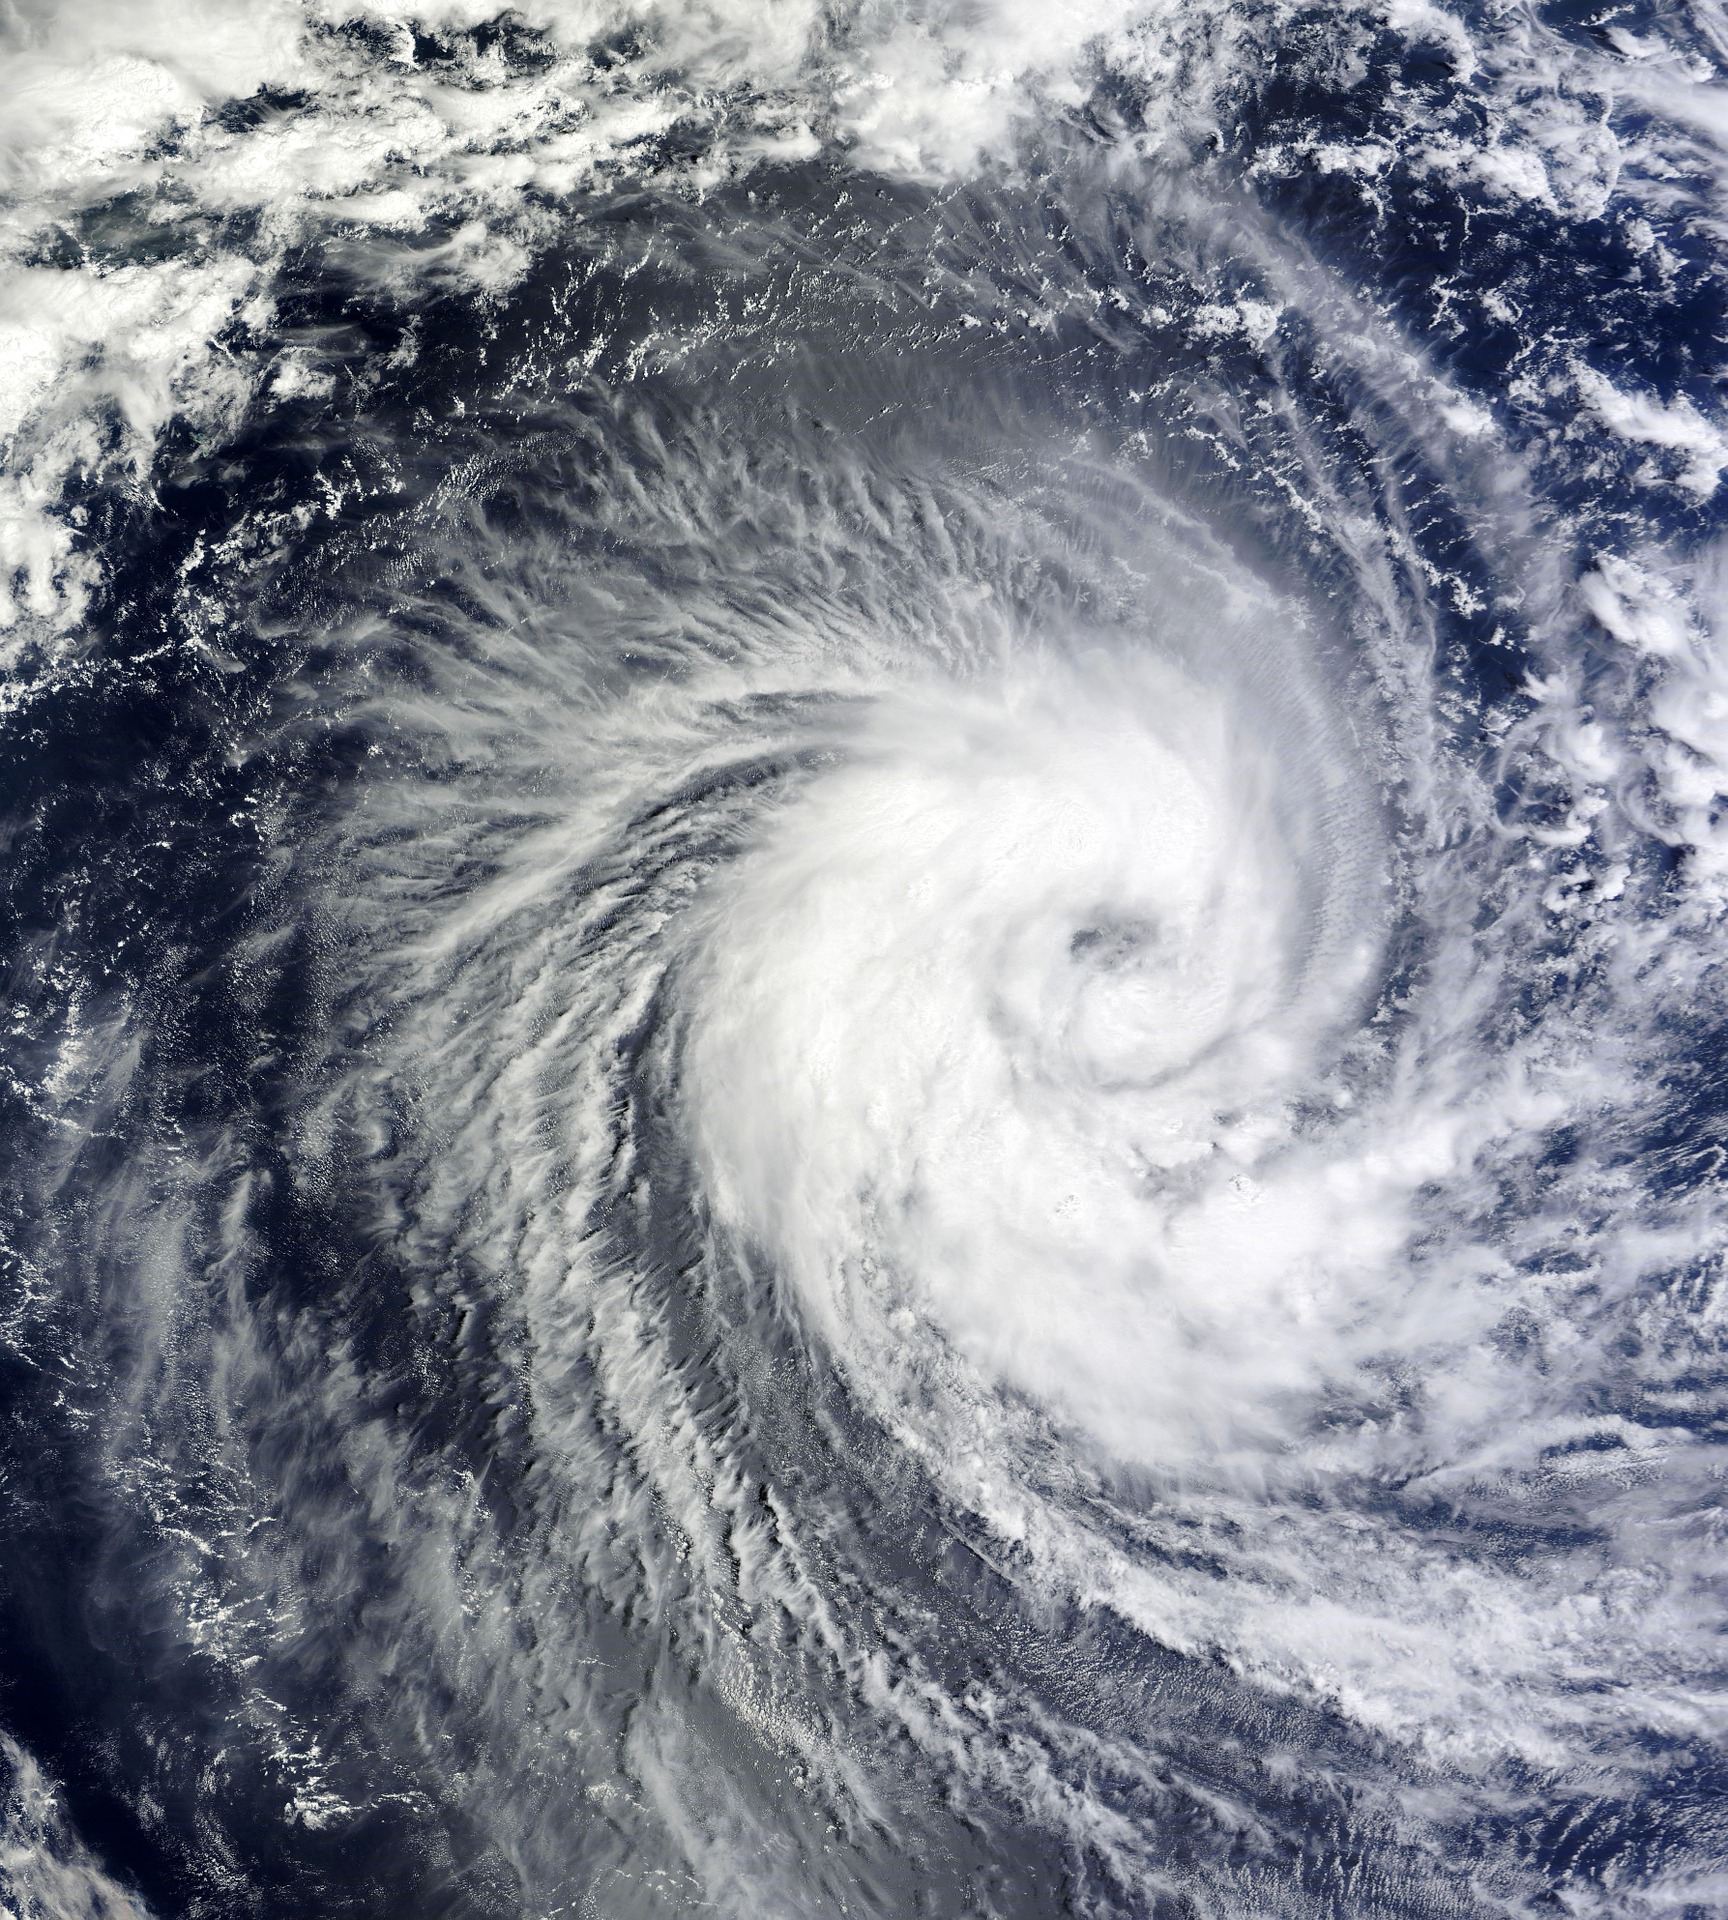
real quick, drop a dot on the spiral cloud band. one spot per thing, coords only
(863, 900)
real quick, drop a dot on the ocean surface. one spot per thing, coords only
(862, 887)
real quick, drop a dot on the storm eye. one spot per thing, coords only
(1111, 943)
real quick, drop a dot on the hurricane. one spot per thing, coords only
(863, 906)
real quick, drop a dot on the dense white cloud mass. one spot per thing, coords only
(863, 897)
(964, 1027)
